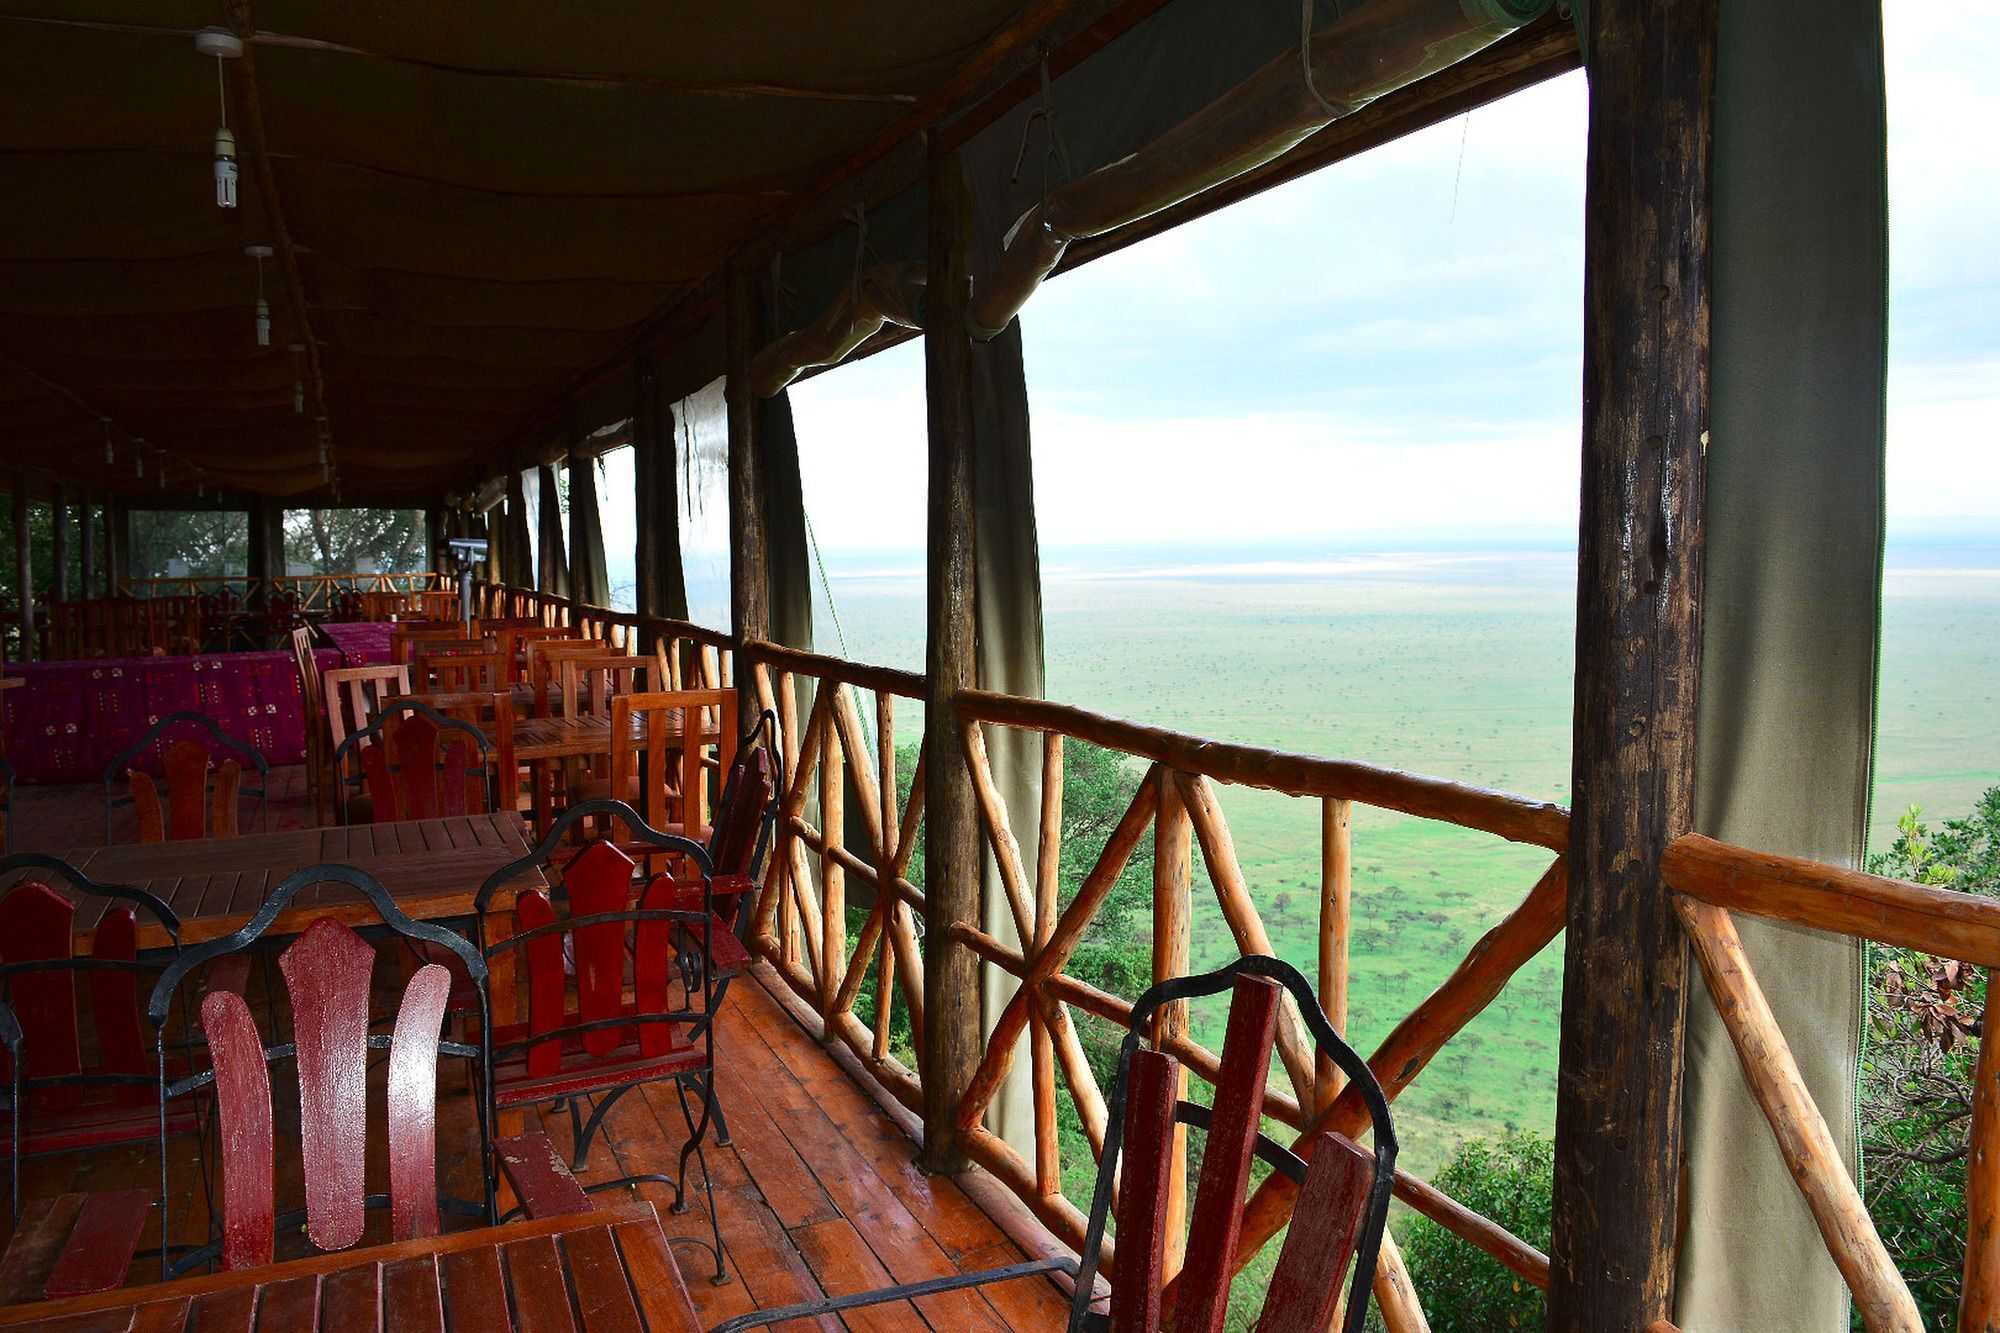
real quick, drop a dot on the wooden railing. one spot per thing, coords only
(1711, 879)
(700, 658)
(1178, 800)
(313, 591)
(801, 927)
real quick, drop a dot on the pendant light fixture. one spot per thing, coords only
(223, 45)
(260, 253)
(139, 458)
(298, 381)
(110, 451)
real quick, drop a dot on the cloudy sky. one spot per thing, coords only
(1391, 348)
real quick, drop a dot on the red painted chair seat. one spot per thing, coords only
(580, 1071)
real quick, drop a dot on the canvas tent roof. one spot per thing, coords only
(483, 200)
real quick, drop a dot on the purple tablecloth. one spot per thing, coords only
(361, 642)
(71, 718)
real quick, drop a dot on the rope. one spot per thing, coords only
(1306, 60)
(826, 585)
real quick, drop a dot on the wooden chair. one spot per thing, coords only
(195, 806)
(415, 763)
(672, 793)
(80, 1074)
(312, 698)
(327, 973)
(516, 635)
(354, 695)
(493, 714)
(583, 1040)
(1337, 1224)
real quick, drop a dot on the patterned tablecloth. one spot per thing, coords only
(71, 718)
(361, 642)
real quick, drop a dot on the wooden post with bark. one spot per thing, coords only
(952, 1040)
(1638, 644)
(24, 567)
(59, 545)
(86, 535)
(749, 539)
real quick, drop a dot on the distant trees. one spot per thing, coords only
(342, 541)
(1511, 1181)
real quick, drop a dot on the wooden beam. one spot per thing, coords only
(749, 542)
(1638, 655)
(951, 824)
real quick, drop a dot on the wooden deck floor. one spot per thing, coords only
(818, 1191)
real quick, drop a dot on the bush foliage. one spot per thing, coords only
(1511, 1181)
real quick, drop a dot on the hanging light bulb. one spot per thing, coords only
(223, 46)
(139, 458)
(260, 253)
(110, 451)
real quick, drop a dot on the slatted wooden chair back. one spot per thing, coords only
(1343, 1202)
(354, 695)
(747, 811)
(457, 667)
(312, 699)
(666, 755)
(405, 640)
(327, 975)
(589, 682)
(416, 763)
(203, 798)
(63, 1092)
(343, 604)
(516, 634)
(544, 665)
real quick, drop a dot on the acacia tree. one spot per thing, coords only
(338, 541)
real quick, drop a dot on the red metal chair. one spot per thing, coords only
(80, 1075)
(204, 799)
(1336, 1229)
(415, 763)
(598, 935)
(327, 973)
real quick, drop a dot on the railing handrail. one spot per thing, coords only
(1805, 892)
(908, 684)
(1515, 818)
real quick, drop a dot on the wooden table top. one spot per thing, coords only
(521, 1276)
(433, 868)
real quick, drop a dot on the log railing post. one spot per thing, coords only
(1979, 1298)
(951, 826)
(1638, 642)
(1336, 887)
(749, 544)
(1171, 910)
(59, 545)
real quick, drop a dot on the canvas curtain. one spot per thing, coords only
(552, 572)
(586, 532)
(662, 586)
(788, 569)
(516, 564)
(1791, 620)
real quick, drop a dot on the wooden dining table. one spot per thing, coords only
(432, 868)
(608, 1271)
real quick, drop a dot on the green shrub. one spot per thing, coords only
(1512, 1182)
(1924, 1015)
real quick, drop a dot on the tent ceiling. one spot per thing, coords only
(484, 200)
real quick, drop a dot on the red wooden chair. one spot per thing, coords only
(415, 763)
(327, 973)
(80, 1075)
(606, 931)
(204, 799)
(1337, 1224)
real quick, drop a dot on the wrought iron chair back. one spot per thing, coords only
(245, 757)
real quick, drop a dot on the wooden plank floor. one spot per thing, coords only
(818, 1191)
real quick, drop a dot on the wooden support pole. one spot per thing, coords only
(24, 567)
(59, 545)
(951, 825)
(1638, 656)
(1171, 910)
(749, 540)
(832, 875)
(86, 533)
(117, 545)
(1979, 1297)
(1336, 889)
